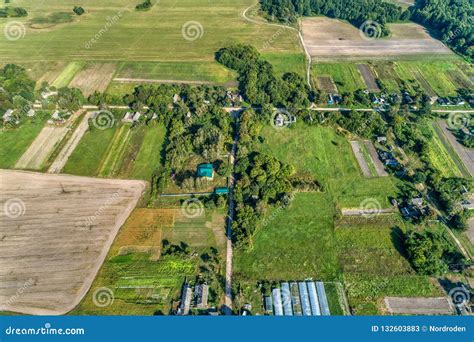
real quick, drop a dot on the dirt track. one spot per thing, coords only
(331, 38)
(368, 77)
(55, 232)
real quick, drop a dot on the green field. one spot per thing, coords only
(441, 159)
(286, 62)
(345, 75)
(371, 254)
(433, 76)
(329, 158)
(154, 35)
(310, 239)
(88, 154)
(297, 243)
(187, 71)
(119, 151)
(16, 141)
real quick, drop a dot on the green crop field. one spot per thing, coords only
(441, 159)
(87, 156)
(187, 71)
(345, 75)
(16, 141)
(112, 30)
(118, 151)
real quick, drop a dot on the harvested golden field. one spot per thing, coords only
(55, 232)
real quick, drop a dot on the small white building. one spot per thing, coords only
(131, 117)
(31, 113)
(8, 116)
(47, 93)
(56, 115)
(176, 98)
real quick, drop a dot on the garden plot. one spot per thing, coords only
(325, 83)
(94, 77)
(70, 145)
(55, 233)
(331, 38)
(465, 154)
(364, 166)
(375, 159)
(419, 306)
(43, 146)
(369, 77)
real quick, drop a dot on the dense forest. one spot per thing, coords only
(354, 11)
(452, 20)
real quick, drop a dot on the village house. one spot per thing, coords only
(8, 116)
(205, 171)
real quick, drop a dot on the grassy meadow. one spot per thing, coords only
(16, 141)
(154, 35)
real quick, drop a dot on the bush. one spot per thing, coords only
(78, 10)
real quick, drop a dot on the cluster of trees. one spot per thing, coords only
(257, 80)
(13, 12)
(354, 11)
(364, 124)
(196, 126)
(430, 253)
(451, 20)
(145, 5)
(17, 90)
(261, 180)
